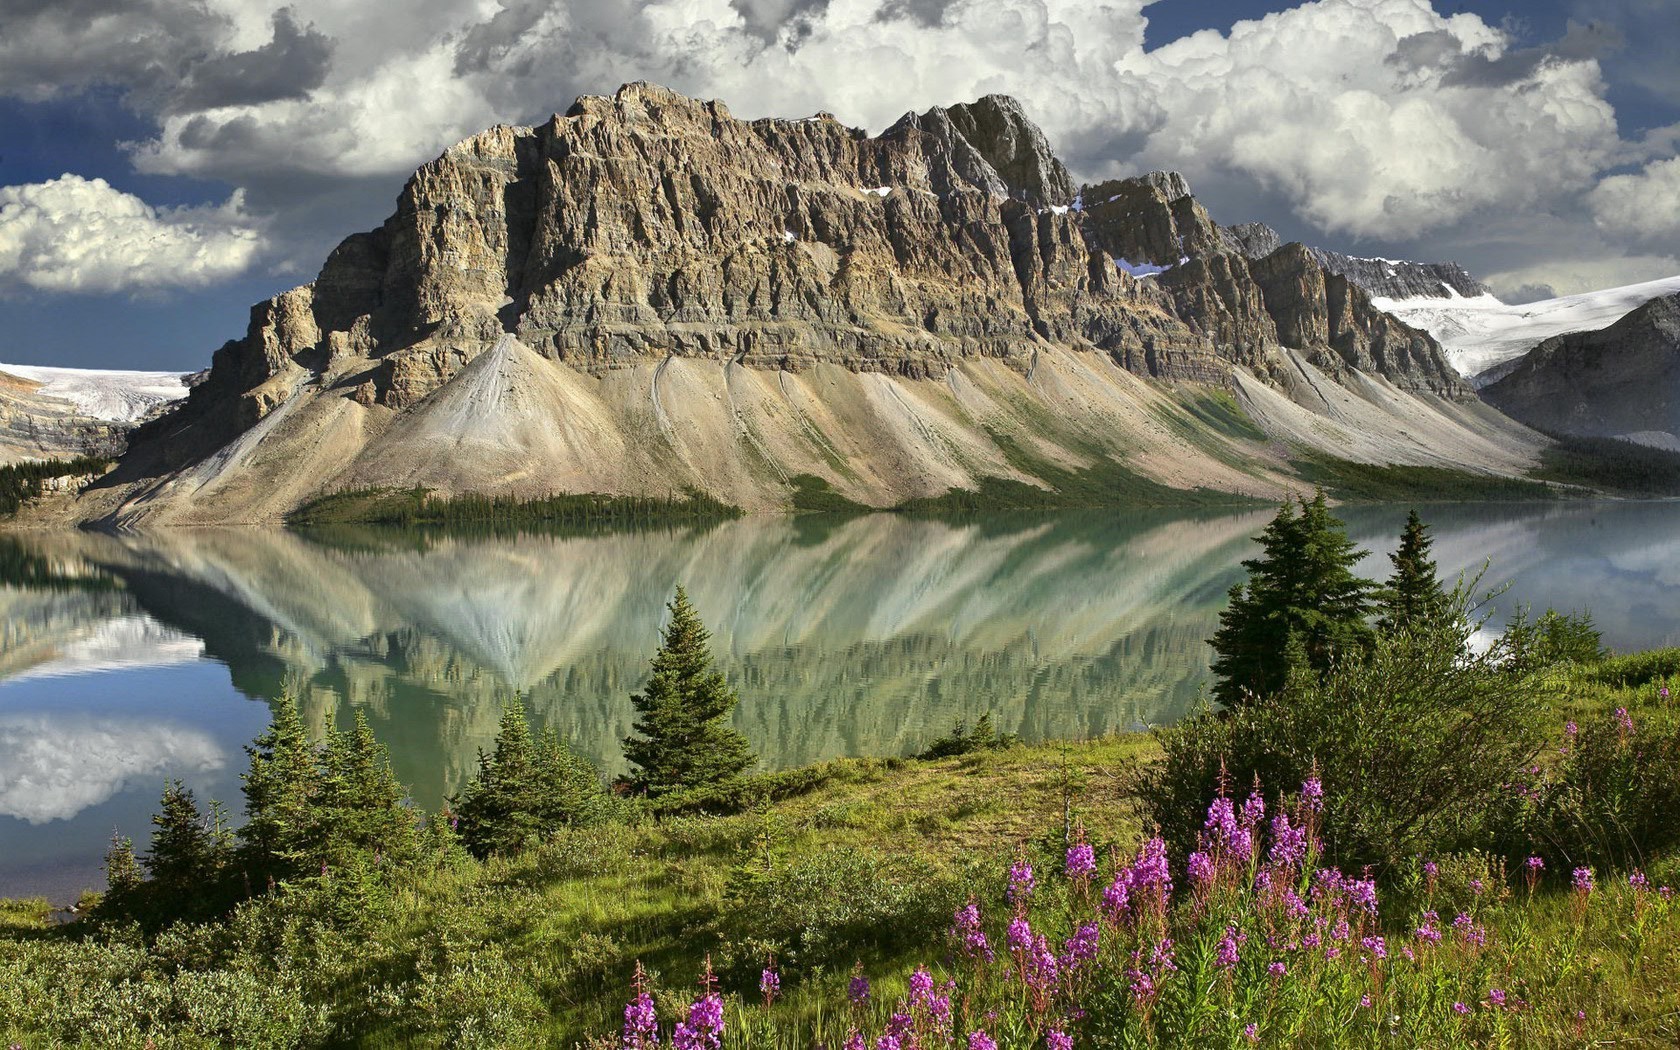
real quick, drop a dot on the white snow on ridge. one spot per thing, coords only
(103, 393)
(1482, 333)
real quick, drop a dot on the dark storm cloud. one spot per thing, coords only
(1529, 293)
(1438, 51)
(926, 12)
(787, 20)
(290, 65)
(49, 48)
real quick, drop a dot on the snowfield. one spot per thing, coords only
(1483, 333)
(105, 394)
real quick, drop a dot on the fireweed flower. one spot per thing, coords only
(1289, 843)
(1376, 946)
(1365, 1002)
(770, 984)
(979, 1040)
(1150, 874)
(641, 1023)
(1277, 969)
(1082, 946)
(1460, 1008)
(1294, 906)
(1262, 881)
(1020, 882)
(888, 1041)
(1055, 1039)
(703, 1030)
(1362, 893)
(1226, 953)
(1200, 869)
(1496, 997)
(1253, 810)
(966, 931)
(857, 992)
(1019, 936)
(1429, 931)
(1638, 881)
(855, 1041)
(1624, 721)
(1229, 838)
(1081, 861)
(1584, 880)
(1313, 792)
(1117, 897)
(1251, 1032)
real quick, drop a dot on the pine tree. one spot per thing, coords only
(1413, 594)
(281, 787)
(124, 881)
(1302, 597)
(683, 738)
(525, 789)
(189, 850)
(361, 801)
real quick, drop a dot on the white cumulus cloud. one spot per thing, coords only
(72, 234)
(1641, 207)
(54, 766)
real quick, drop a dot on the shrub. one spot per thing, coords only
(962, 741)
(1555, 638)
(1422, 735)
(526, 789)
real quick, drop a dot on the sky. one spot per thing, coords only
(165, 164)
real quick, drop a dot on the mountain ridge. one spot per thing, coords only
(726, 304)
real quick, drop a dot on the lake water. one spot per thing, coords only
(126, 660)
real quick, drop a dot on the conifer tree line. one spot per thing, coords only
(336, 809)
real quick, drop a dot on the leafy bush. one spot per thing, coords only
(740, 794)
(1421, 734)
(1555, 638)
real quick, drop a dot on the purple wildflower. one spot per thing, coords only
(641, 1023)
(857, 992)
(1584, 880)
(1117, 897)
(1535, 864)
(1496, 997)
(1428, 931)
(1363, 894)
(1082, 946)
(1262, 881)
(1055, 1039)
(1019, 936)
(1253, 811)
(1228, 836)
(1251, 1032)
(1081, 861)
(854, 1041)
(921, 985)
(979, 1040)
(1460, 1008)
(1638, 881)
(1150, 870)
(1624, 721)
(1365, 1002)
(966, 931)
(1226, 953)
(1200, 869)
(1376, 946)
(1662, 692)
(703, 1030)
(1277, 969)
(1313, 792)
(770, 984)
(1289, 844)
(1020, 882)
(1431, 870)
(888, 1041)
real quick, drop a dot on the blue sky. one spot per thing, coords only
(164, 164)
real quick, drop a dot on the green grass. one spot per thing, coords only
(1352, 482)
(417, 506)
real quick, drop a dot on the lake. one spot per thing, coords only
(125, 660)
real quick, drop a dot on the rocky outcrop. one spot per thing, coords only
(36, 426)
(1619, 381)
(647, 229)
(1382, 278)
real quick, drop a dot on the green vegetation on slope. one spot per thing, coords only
(1352, 482)
(406, 507)
(1618, 467)
(22, 482)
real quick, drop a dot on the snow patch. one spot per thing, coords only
(1480, 334)
(105, 393)
(879, 191)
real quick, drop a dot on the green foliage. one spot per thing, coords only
(1552, 639)
(190, 850)
(1612, 465)
(22, 482)
(1302, 600)
(682, 737)
(526, 788)
(812, 494)
(1422, 736)
(739, 794)
(1413, 592)
(1353, 482)
(962, 740)
(280, 784)
(417, 506)
(1613, 799)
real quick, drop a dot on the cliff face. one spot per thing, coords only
(649, 232)
(1620, 381)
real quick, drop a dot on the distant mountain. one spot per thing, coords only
(1621, 381)
(647, 294)
(48, 413)
(1391, 278)
(1484, 338)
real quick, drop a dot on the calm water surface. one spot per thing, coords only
(126, 660)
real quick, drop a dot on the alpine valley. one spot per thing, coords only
(647, 296)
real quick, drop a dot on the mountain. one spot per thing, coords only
(1484, 338)
(647, 294)
(1620, 381)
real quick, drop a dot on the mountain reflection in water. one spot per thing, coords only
(867, 635)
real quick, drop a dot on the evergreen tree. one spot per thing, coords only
(525, 789)
(361, 801)
(1413, 593)
(683, 738)
(1301, 602)
(281, 786)
(124, 881)
(189, 850)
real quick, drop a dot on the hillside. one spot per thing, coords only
(647, 295)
